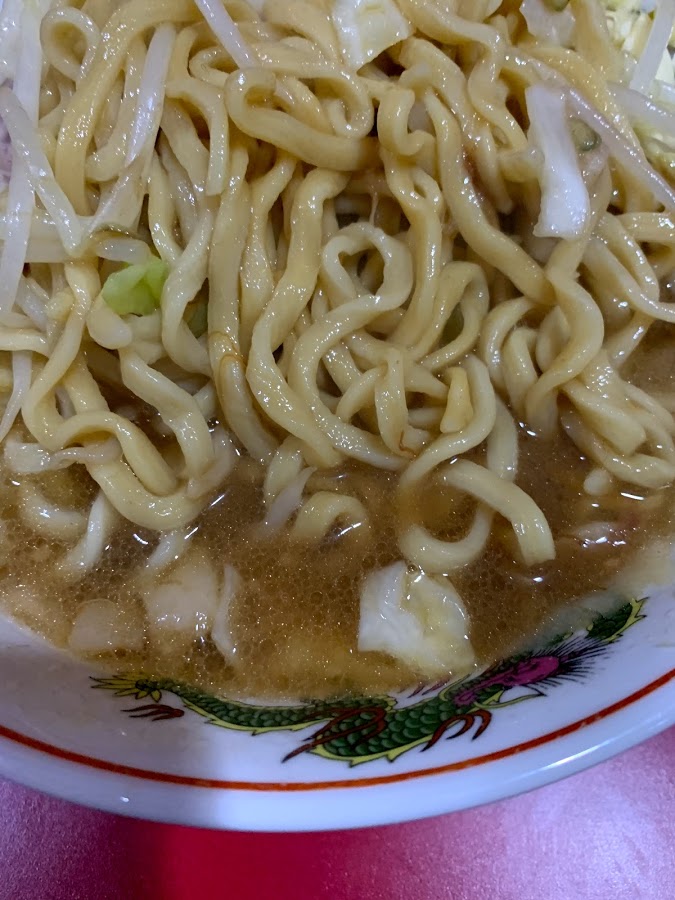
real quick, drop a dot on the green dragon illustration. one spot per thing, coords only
(360, 729)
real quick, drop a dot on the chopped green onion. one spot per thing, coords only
(136, 289)
(556, 5)
(584, 137)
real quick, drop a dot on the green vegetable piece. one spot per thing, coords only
(584, 137)
(556, 5)
(137, 289)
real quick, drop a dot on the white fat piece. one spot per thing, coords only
(415, 618)
(102, 626)
(182, 606)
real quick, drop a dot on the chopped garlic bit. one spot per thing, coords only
(366, 28)
(415, 618)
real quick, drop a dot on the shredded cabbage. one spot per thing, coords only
(20, 63)
(655, 47)
(225, 456)
(32, 161)
(543, 21)
(221, 630)
(621, 150)
(102, 626)
(32, 299)
(121, 206)
(415, 618)
(10, 37)
(183, 606)
(644, 36)
(5, 156)
(30, 458)
(626, 151)
(22, 373)
(565, 204)
(225, 29)
(285, 504)
(643, 111)
(136, 289)
(366, 28)
(122, 248)
(151, 91)
(647, 103)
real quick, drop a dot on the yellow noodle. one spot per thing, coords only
(350, 268)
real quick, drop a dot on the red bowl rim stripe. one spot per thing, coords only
(212, 783)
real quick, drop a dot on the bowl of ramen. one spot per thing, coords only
(337, 394)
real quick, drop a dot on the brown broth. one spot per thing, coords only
(296, 622)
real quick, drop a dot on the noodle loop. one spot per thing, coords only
(265, 250)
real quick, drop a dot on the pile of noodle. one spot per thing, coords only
(400, 259)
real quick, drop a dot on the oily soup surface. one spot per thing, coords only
(295, 624)
(333, 357)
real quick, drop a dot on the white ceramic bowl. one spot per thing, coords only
(163, 751)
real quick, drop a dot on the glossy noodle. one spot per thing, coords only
(311, 264)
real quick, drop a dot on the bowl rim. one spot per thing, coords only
(385, 799)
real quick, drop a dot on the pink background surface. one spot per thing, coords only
(608, 833)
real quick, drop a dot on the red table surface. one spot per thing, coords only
(608, 833)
